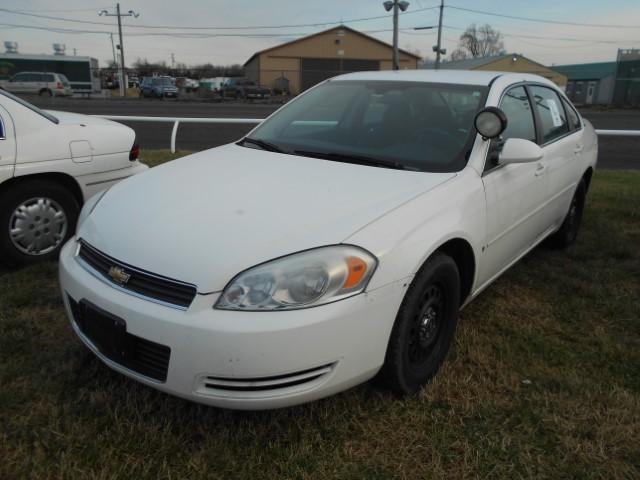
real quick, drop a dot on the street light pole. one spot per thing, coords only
(396, 5)
(396, 62)
(438, 47)
(130, 13)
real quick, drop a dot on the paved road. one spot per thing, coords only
(615, 152)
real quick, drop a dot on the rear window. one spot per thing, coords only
(31, 107)
(574, 119)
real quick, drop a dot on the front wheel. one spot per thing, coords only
(424, 327)
(36, 219)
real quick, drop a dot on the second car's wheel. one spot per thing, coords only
(45, 93)
(36, 219)
(424, 327)
(568, 231)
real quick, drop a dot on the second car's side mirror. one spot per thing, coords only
(519, 150)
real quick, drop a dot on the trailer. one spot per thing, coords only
(82, 72)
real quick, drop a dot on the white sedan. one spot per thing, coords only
(335, 242)
(50, 163)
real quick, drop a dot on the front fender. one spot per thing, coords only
(404, 238)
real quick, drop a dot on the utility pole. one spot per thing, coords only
(113, 47)
(438, 48)
(130, 13)
(396, 5)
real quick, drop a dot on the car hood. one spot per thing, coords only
(204, 218)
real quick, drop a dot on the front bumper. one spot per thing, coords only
(246, 360)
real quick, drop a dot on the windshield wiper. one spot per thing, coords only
(355, 159)
(271, 147)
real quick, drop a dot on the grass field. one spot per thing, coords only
(543, 382)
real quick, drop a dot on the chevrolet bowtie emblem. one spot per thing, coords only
(118, 275)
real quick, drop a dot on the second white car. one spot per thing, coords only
(50, 164)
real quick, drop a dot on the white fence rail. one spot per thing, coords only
(178, 120)
(254, 121)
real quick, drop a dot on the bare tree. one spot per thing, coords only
(481, 41)
(458, 54)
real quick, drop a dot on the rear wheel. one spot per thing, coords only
(36, 219)
(568, 231)
(45, 93)
(424, 328)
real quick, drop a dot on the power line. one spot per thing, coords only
(540, 20)
(178, 27)
(173, 34)
(562, 39)
(64, 11)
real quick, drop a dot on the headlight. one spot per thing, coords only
(88, 207)
(301, 280)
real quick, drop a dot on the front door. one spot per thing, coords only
(515, 193)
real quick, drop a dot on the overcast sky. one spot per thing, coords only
(545, 43)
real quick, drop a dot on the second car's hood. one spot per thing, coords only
(205, 218)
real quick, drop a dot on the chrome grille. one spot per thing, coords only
(140, 282)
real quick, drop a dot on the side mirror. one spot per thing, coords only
(490, 122)
(519, 150)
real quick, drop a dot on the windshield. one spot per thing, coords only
(31, 107)
(413, 125)
(64, 80)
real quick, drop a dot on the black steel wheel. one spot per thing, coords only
(424, 328)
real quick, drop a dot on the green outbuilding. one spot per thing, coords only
(589, 83)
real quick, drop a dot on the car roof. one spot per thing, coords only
(457, 77)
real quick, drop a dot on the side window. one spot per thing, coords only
(47, 77)
(520, 124)
(551, 113)
(21, 77)
(574, 119)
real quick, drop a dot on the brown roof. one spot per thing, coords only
(339, 27)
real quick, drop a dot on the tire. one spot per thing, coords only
(424, 328)
(40, 206)
(45, 93)
(568, 231)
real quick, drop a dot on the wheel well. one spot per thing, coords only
(44, 90)
(587, 178)
(461, 252)
(66, 181)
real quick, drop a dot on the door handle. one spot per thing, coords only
(540, 169)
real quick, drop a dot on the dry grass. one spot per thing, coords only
(544, 382)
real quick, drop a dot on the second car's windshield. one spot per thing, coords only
(413, 125)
